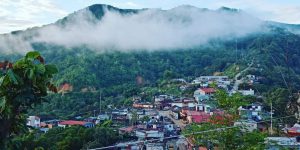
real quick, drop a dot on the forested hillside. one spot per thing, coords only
(140, 64)
(120, 75)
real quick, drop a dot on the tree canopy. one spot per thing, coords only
(23, 84)
(223, 137)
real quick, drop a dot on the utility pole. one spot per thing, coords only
(100, 102)
(271, 118)
(236, 51)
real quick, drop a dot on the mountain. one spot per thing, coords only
(104, 27)
(126, 52)
(192, 26)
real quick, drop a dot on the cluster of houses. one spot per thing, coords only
(142, 124)
(44, 126)
(202, 109)
(162, 120)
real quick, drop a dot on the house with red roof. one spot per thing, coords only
(197, 117)
(293, 131)
(129, 129)
(69, 123)
(220, 117)
(207, 91)
(5, 65)
(203, 93)
(66, 87)
(215, 117)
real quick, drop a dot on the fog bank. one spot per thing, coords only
(151, 29)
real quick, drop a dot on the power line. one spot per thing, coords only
(281, 73)
(183, 135)
(177, 136)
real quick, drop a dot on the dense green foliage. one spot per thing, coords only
(222, 134)
(222, 137)
(72, 138)
(230, 103)
(120, 75)
(22, 85)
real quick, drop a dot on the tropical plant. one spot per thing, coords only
(23, 84)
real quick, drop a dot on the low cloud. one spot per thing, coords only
(10, 43)
(152, 29)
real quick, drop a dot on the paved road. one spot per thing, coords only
(179, 123)
(238, 82)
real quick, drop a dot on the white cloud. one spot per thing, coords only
(13, 44)
(181, 27)
(267, 9)
(41, 12)
(21, 14)
(152, 29)
(288, 14)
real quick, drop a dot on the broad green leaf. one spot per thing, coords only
(2, 103)
(1, 80)
(51, 69)
(19, 63)
(5, 81)
(40, 68)
(32, 55)
(12, 76)
(14, 94)
(31, 74)
(19, 79)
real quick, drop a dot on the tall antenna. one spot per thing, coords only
(100, 101)
(288, 66)
(236, 51)
(271, 118)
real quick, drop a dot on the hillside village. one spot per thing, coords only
(150, 75)
(158, 124)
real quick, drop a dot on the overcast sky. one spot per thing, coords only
(21, 14)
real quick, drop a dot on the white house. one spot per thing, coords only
(213, 78)
(247, 92)
(252, 111)
(184, 103)
(143, 134)
(102, 117)
(278, 143)
(203, 107)
(203, 94)
(34, 121)
(247, 125)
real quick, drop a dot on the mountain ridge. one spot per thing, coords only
(99, 9)
(126, 29)
(275, 54)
